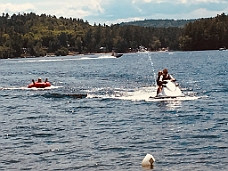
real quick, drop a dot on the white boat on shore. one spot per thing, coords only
(142, 49)
(222, 48)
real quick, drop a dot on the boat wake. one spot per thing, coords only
(138, 94)
(105, 57)
(26, 88)
(122, 94)
(73, 58)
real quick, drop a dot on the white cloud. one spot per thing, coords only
(67, 8)
(195, 14)
(116, 11)
(202, 1)
(180, 1)
(120, 20)
(201, 13)
(94, 5)
(15, 8)
(154, 1)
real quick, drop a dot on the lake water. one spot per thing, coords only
(117, 124)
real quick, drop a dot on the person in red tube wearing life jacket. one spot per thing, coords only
(162, 78)
(39, 80)
(39, 83)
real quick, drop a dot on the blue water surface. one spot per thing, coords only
(117, 124)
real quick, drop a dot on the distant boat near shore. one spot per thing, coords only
(117, 55)
(142, 49)
(222, 48)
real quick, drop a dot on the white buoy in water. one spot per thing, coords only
(148, 161)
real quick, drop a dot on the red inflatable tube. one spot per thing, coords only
(39, 85)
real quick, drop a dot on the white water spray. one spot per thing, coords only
(152, 65)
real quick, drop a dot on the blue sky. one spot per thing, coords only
(117, 11)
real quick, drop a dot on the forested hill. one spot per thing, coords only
(159, 23)
(29, 34)
(24, 35)
(205, 34)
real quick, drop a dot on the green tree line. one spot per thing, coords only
(205, 34)
(159, 23)
(29, 34)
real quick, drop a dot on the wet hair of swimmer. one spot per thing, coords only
(165, 71)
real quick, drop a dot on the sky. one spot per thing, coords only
(117, 11)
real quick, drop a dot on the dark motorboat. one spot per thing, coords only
(117, 55)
